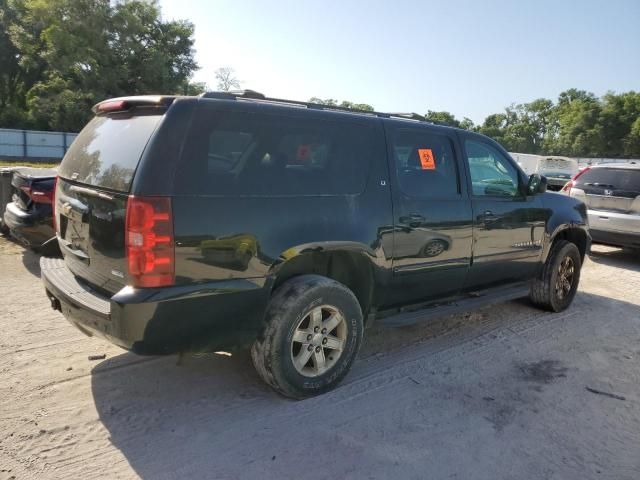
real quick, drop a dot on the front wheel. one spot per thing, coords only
(312, 335)
(557, 285)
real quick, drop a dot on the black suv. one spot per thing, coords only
(211, 222)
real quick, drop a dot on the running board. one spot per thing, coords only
(470, 301)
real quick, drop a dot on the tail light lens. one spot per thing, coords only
(38, 195)
(112, 106)
(149, 241)
(571, 183)
(53, 204)
(567, 186)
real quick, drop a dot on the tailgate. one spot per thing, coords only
(90, 226)
(94, 182)
(611, 189)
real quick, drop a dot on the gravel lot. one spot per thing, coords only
(497, 393)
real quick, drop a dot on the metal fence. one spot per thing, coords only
(34, 145)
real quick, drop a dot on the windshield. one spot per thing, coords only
(107, 151)
(558, 167)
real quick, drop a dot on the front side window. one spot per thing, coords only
(242, 153)
(492, 174)
(425, 163)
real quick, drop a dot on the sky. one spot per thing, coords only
(471, 58)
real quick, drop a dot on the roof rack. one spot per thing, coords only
(410, 116)
(257, 96)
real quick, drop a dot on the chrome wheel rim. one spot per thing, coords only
(318, 340)
(564, 280)
(433, 249)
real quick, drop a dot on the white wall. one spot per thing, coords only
(34, 144)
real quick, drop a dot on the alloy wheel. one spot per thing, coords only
(318, 341)
(564, 280)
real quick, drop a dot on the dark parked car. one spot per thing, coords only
(6, 193)
(204, 223)
(29, 216)
(612, 195)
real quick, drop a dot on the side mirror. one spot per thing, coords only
(537, 184)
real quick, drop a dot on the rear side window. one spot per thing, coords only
(241, 153)
(108, 149)
(611, 178)
(425, 163)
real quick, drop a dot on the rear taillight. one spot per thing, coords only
(567, 187)
(149, 241)
(38, 195)
(112, 106)
(53, 204)
(572, 183)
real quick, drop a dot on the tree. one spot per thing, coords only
(193, 88)
(579, 132)
(70, 54)
(632, 140)
(442, 117)
(226, 79)
(329, 101)
(344, 104)
(356, 106)
(467, 124)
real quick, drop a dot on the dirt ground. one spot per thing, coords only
(498, 393)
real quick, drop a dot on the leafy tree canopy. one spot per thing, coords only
(343, 104)
(59, 57)
(578, 124)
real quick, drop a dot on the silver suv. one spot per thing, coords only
(612, 195)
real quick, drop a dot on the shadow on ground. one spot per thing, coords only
(30, 259)
(212, 416)
(616, 257)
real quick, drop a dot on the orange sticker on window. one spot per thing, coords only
(303, 153)
(427, 162)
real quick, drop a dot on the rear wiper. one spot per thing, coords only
(90, 192)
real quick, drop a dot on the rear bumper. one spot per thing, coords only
(155, 321)
(613, 228)
(32, 228)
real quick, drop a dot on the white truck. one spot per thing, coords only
(558, 170)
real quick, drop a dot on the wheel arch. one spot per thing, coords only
(576, 235)
(349, 263)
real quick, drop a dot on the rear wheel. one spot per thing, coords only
(312, 336)
(434, 248)
(556, 286)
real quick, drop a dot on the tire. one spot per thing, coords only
(292, 315)
(549, 291)
(434, 248)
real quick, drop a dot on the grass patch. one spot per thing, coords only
(16, 163)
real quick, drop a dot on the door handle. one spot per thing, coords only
(413, 220)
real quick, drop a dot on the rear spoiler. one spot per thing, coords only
(122, 104)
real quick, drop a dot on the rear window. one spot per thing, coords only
(611, 178)
(107, 151)
(241, 153)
